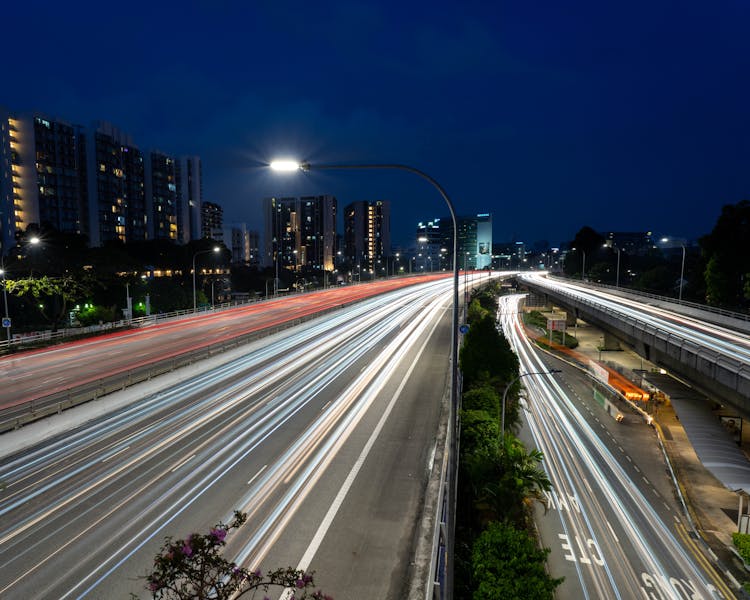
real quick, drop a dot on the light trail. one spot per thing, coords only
(621, 546)
(690, 331)
(81, 513)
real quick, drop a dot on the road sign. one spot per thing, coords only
(464, 329)
(6, 322)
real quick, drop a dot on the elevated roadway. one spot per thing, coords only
(712, 357)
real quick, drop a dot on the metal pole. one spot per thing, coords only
(507, 387)
(194, 298)
(617, 281)
(454, 324)
(583, 268)
(682, 271)
(5, 300)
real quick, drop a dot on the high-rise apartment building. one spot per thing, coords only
(40, 181)
(93, 181)
(300, 233)
(189, 198)
(161, 196)
(367, 233)
(212, 217)
(116, 186)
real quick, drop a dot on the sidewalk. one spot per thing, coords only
(712, 507)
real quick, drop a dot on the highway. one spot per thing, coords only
(612, 525)
(30, 375)
(323, 433)
(694, 332)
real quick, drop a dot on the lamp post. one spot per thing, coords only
(682, 271)
(507, 387)
(214, 249)
(682, 267)
(617, 277)
(290, 166)
(5, 300)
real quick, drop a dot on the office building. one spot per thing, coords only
(474, 240)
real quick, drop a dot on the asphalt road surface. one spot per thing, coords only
(324, 434)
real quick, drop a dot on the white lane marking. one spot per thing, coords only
(254, 477)
(325, 524)
(115, 453)
(182, 462)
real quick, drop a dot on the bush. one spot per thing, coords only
(507, 564)
(742, 543)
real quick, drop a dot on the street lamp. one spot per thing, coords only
(290, 166)
(5, 300)
(682, 267)
(583, 267)
(214, 249)
(507, 387)
(617, 278)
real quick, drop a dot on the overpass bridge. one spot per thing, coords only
(711, 351)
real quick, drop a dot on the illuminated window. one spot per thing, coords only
(102, 167)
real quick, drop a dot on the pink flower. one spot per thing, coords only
(187, 550)
(299, 583)
(218, 534)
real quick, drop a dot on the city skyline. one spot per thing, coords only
(548, 117)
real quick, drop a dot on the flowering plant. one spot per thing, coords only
(194, 568)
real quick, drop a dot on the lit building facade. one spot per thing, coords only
(367, 234)
(212, 217)
(40, 176)
(161, 196)
(300, 233)
(116, 186)
(92, 181)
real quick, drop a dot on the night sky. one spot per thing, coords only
(551, 115)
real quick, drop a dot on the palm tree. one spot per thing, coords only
(512, 481)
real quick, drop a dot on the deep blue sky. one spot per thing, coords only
(551, 115)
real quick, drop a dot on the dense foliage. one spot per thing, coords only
(499, 478)
(727, 272)
(508, 564)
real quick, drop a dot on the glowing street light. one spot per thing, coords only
(287, 165)
(215, 249)
(291, 166)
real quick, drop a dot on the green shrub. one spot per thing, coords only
(742, 543)
(507, 564)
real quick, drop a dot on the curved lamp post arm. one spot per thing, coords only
(507, 388)
(306, 166)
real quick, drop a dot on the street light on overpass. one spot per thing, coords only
(682, 267)
(507, 387)
(214, 249)
(616, 249)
